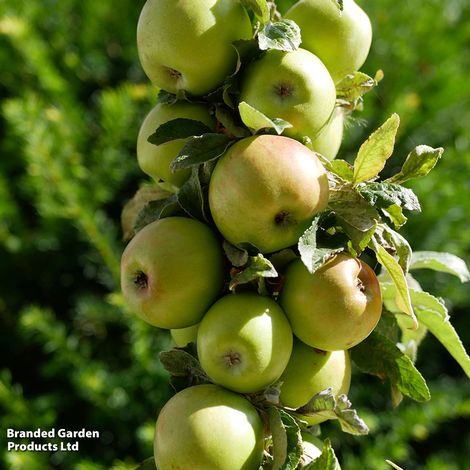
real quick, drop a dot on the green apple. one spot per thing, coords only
(266, 190)
(310, 371)
(335, 308)
(183, 336)
(244, 342)
(187, 45)
(172, 271)
(208, 428)
(294, 86)
(155, 159)
(328, 140)
(341, 40)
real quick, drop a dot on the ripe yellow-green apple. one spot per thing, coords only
(328, 140)
(294, 86)
(183, 336)
(341, 40)
(187, 45)
(310, 371)
(266, 190)
(208, 428)
(155, 160)
(172, 271)
(312, 447)
(244, 342)
(335, 308)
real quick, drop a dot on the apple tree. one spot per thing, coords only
(282, 263)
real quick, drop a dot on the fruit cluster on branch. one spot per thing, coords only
(247, 246)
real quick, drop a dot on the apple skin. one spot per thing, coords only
(206, 427)
(266, 190)
(294, 86)
(335, 308)
(172, 271)
(154, 160)
(187, 45)
(341, 40)
(328, 140)
(183, 336)
(244, 342)
(310, 371)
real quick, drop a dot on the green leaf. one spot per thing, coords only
(313, 257)
(326, 461)
(375, 151)
(192, 196)
(226, 117)
(155, 210)
(396, 216)
(258, 267)
(379, 356)
(355, 215)
(343, 169)
(165, 97)
(326, 405)
(418, 163)
(353, 87)
(236, 256)
(147, 464)
(179, 363)
(350, 206)
(287, 440)
(410, 339)
(259, 8)
(432, 312)
(383, 195)
(388, 326)
(281, 35)
(132, 209)
(201, 149)
(391, 198)
(396, 244)
(443, 262)
(180, 128)
(256, 120)
(397, 275)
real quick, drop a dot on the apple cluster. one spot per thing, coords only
(263, 193)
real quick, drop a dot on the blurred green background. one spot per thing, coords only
(72, 98)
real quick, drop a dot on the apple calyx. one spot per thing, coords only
(360, 285)
(232, 358)
(284, 218)
(141, 280)
(174, 74)
(320, 351)
(284, 90)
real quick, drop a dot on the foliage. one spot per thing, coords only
(72, 98)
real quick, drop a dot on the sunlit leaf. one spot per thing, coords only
(375, 151)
